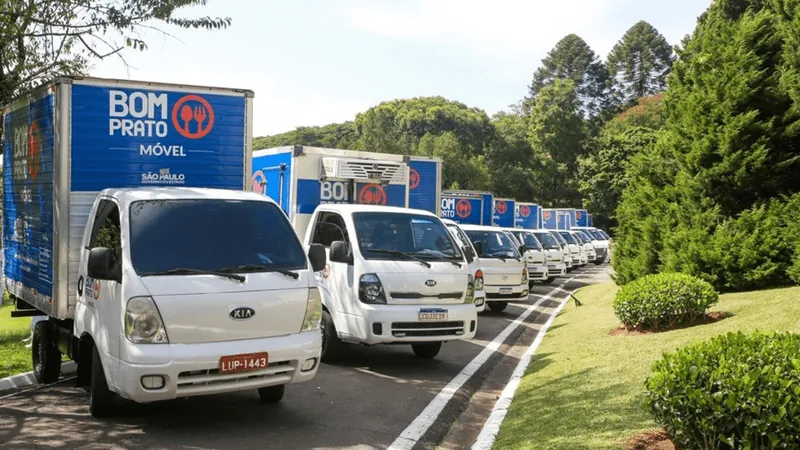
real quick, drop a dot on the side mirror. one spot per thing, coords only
(100, 265)
(340, 252)
(316, 254)
(468, 254)
(478, 247)
(522, 249)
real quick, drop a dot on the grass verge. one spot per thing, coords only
(584, 388)
(14, 357)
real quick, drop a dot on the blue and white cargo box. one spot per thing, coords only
(549, 219)
(69, 139)
(527, 216)
(425, 183)
(582, 218)
(504, 210)
(300, 178)
(467, 207)
(563, 219)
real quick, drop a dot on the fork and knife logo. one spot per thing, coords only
(193, 116)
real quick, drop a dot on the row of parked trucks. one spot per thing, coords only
(158, 251)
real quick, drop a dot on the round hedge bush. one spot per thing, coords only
(733, 391)
(663, 300)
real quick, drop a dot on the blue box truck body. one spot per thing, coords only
(504, 212)
(67, 140)
(527, 216)
(300, 178)
(549, 219)
(467, 207)
(582, 218)
(589, 220)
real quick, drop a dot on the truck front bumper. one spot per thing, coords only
(193, 369)
(538, 272)
(557, 269)
(398, 324)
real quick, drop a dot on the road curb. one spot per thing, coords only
(491, 428)
(27, 379)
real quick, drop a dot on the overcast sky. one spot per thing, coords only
(313, 62)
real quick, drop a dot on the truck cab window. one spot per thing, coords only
(330, 227)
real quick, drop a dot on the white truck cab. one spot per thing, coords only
(599, 242)
(554, 253)
(394, 276)
(180, 293)
(504, 269)
(565, 249)
(474, 266)
(575, 248)
(588, 249)
(535, 255)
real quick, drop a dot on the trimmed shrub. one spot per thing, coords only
(663, 301)
(733, 391)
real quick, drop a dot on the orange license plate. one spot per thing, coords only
(244, 362)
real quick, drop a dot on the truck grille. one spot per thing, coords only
(418, 295)
(427, 329)
(194, 381)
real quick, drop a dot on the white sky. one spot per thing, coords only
(313, 62)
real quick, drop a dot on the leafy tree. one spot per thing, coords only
(334, 135)
(509, 158)
(572, 58)
(557, 135)
(603, 173)
(640, 63)
(459, 170)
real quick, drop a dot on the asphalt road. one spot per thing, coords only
(364, 402)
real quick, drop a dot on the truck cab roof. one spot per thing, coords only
(346, 208)
(126, 196)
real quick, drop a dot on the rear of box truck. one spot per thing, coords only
(425, 184)
(504, 210)
(78, 136)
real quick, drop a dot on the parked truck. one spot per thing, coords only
(504, 212)
(527, 216)
(581, 218)
(395, 275)
(119, 200)
(468, 207)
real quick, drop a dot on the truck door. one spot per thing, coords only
(102, 297)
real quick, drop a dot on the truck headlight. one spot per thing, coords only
(370, 290)
(469, 297)
(313, 310)
(524, 276)
(478, 280)
(143, 323)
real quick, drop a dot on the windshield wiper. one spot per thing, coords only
(259, 268)
(399, 253)
(501, 257)
(440, 258)
(185, 271)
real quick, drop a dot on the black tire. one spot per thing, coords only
(598, 262)
(428, 350)
(271, 394)
(549, 280)
(497, 306)
(101, 399)
(45, 355)
(332, 346)
(530, 284)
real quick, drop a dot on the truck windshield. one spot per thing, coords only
(578, 238)
(496, 244)
(568, 237)
(528, 239)
(548, 241)
(383, 235)
(597, 235)
(188, 235)
(559, 238)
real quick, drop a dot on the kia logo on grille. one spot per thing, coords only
(505, 277)
(430, 283)
(242, 313)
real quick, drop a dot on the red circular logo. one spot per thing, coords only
(413, 179)
(34, 150)
(96, 289)
(463, 208)
(372, 194)
(546, 215)
(193, 116)
(326, 271)
(578, 215)
(257, 179)
(524, 211)
(501, 207)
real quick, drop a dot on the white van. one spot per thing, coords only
(394, 276)
(534, 255)
(474, 266)
(575, 248)
(504, 269)
(180, 293)
(554, 252)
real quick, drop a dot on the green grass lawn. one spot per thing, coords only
(585, 388)
(14, 357)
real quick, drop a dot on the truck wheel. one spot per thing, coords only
(549, 280)
(101, 399)
(428, 350)
(497, 306)
(45, 355)
(597, 262)
(271, 394)
(332, 346)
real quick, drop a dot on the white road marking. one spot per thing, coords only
(412, 434)
(492, 426)
(35, 388)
